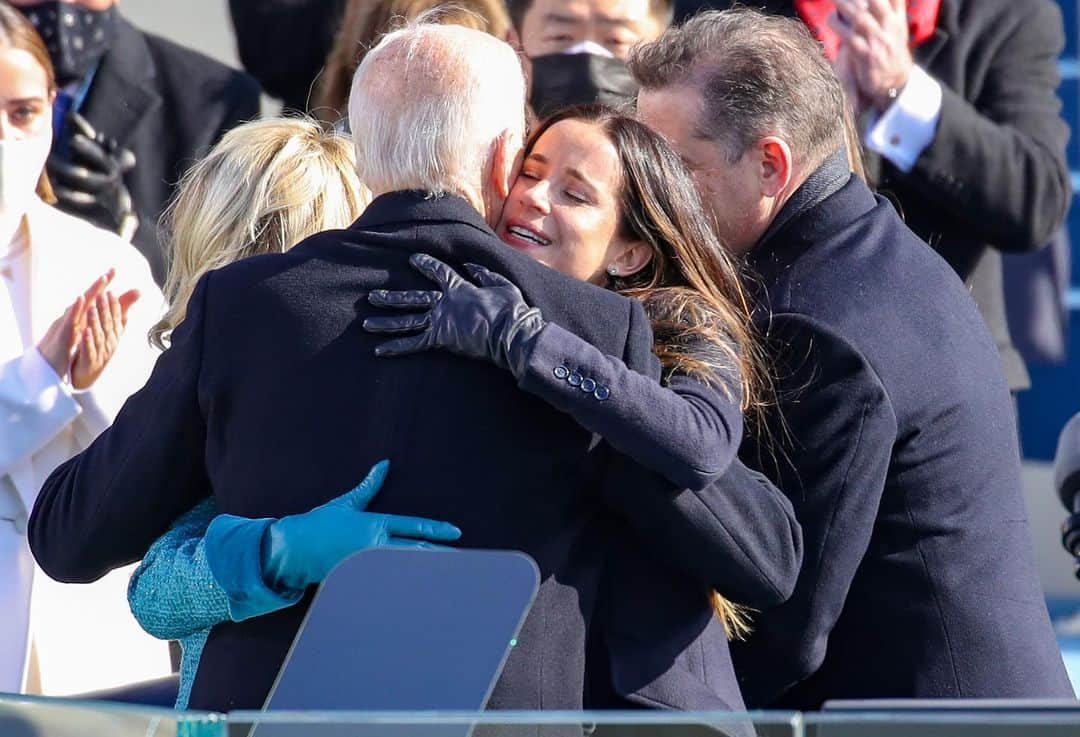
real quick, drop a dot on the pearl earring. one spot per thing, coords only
(613, 270)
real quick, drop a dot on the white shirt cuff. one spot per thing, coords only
(40, 380)
(903, 132)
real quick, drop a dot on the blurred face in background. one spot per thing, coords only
(552, 26)
(77, 33)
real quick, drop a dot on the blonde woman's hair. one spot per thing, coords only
(263, 188)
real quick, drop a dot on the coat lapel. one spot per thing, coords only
(123, 94)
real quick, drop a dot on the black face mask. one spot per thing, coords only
(76, 37)
(562, 80)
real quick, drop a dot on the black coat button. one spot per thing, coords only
(588, 386)
(561, 372)
(602, 393)
(575, 379)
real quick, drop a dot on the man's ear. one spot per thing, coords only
(635, 257)
(776, 165)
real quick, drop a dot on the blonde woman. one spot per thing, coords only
(265, 187)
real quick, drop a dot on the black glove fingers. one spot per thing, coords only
(92, 155)
(403, 346)
(72, 176)
(485, 277)
(75, 200)
(436, 271)
(125, 159)
(398, 323)
(81, 125)
(404, 300)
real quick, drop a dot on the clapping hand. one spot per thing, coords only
(105, 320)
(874, 60)
(486, 320)
(84, 338)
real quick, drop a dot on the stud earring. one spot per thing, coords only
(613, 270)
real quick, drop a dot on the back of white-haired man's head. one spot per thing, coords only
(439, 108)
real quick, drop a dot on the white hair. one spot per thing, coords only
(428, 103)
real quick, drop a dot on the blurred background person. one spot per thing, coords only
(363, 24)
(133, 111)
(75, 304)
(264, 28)
(577, 48)
(961, 124)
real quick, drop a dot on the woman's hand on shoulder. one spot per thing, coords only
(486, 318)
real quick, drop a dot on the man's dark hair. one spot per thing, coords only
(758, 75)
(662, 9)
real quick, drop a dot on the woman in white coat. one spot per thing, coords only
(76, 303)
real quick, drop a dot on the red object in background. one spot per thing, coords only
(922, 20)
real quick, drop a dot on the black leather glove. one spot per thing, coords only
(87, 174)
(488, 320)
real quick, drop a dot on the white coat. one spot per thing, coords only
(84, 635)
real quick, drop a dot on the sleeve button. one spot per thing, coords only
(602, 393)
(561, 372)
(588, 386)
(574, 379)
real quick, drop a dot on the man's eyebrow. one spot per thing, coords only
(614, 20)
(561, 18)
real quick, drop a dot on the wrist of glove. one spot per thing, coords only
(282, 569)
(485, 319)
(514, 338)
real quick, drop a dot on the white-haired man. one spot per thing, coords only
(271, 397)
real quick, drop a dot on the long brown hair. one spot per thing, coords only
(16, 32)
(365, 21)
(691, 288)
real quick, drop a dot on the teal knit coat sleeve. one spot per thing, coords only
(173, 593)
(203, 571)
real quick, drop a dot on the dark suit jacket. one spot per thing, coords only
(995, 177)
(271, 397)
(918, 577)
(168, 104)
